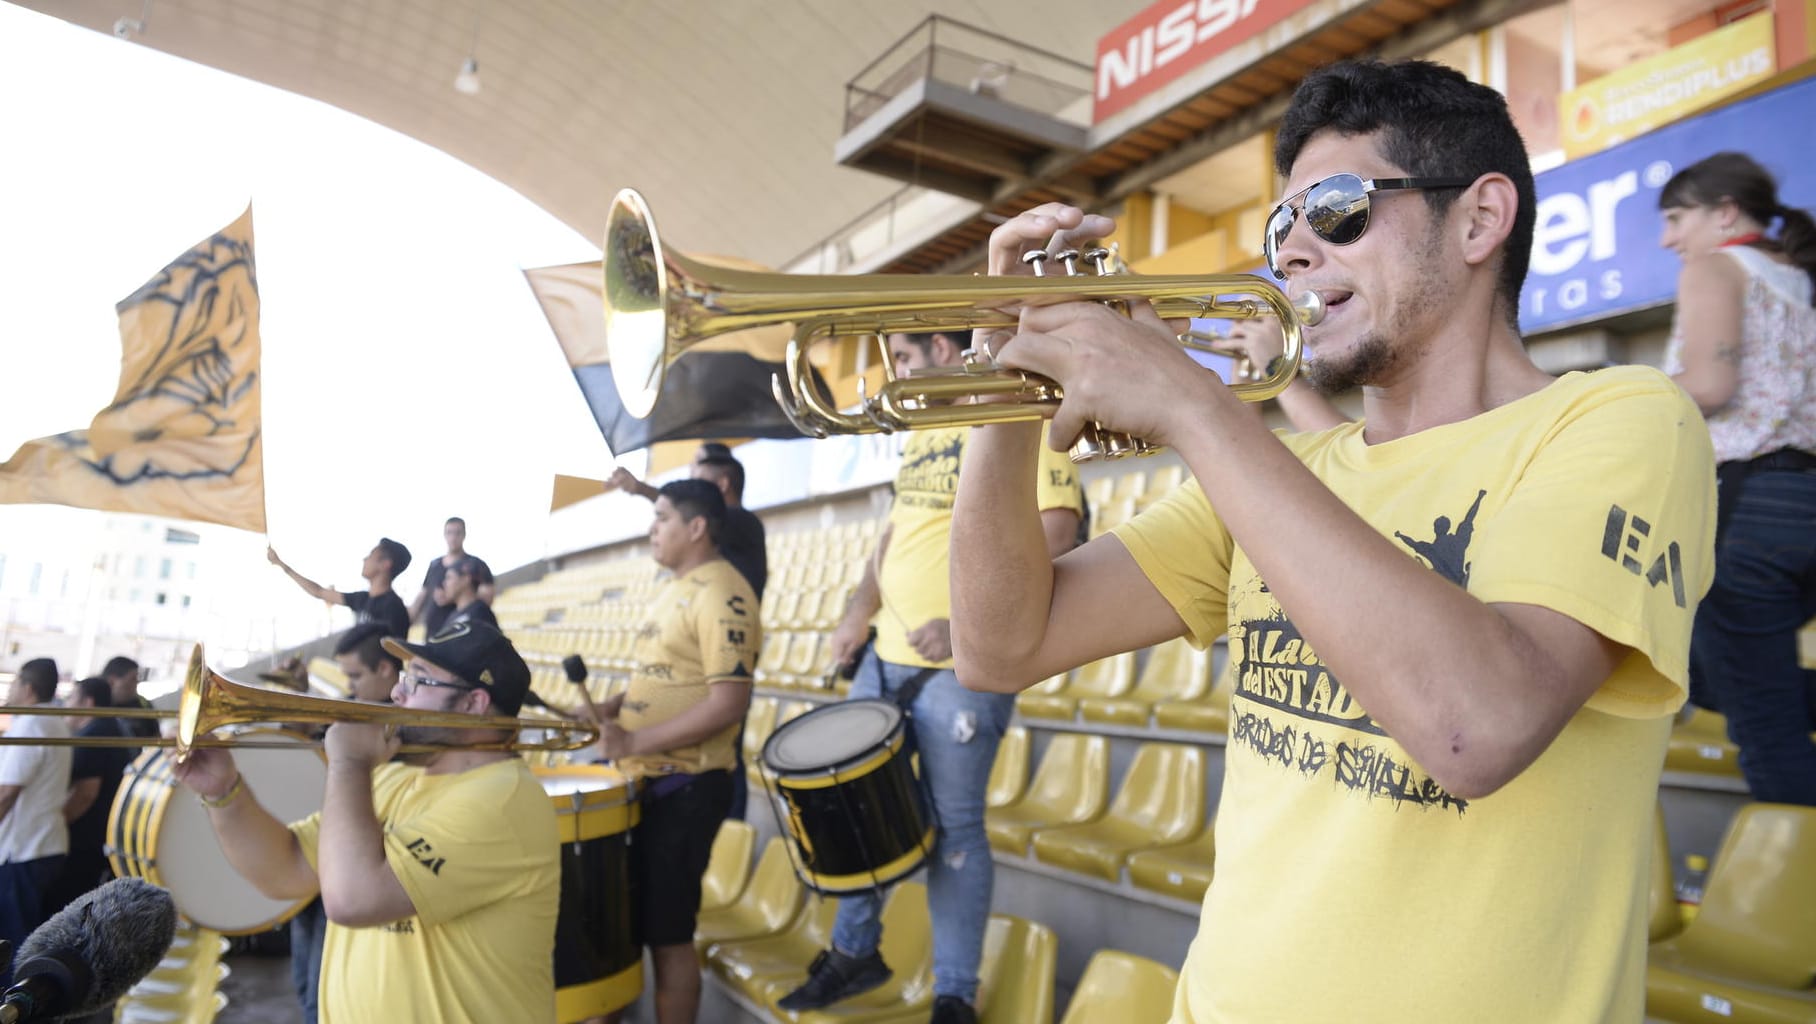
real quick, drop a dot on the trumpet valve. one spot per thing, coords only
(1036, 259)
(1069, 257)
(1100, 258)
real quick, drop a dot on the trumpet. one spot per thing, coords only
(659, 304)
(211, 701)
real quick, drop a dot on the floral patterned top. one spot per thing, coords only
(1775, 404)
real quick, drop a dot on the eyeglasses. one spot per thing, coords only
(414, 680)
(1336, 209)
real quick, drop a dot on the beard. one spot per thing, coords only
(1368, 361)
(1376, 355)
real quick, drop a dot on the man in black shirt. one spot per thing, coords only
(94, 778)
(460, 585)
(741, 537)
(122, 677)
(378, 602)
(433, 605)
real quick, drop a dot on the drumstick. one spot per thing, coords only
(577, 674)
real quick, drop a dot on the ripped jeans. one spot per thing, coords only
(956, 732)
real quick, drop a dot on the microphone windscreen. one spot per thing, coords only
(120, 930)
(575, 668)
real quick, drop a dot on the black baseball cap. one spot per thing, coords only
(476, 653)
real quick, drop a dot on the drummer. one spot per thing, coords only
(675, 725)
(441, 879)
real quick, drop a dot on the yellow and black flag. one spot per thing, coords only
(719, 388)
(182, 435)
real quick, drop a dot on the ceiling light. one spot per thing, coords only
(467, 82)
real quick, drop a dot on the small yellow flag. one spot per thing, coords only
(182, 435)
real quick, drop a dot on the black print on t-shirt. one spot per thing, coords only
(1447, 549)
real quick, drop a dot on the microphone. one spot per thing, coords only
(89, 953)
(575, 669)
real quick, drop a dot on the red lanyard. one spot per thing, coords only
(1746, 239)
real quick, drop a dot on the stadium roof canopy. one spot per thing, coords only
(724, 112)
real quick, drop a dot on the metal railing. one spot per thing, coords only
(981, 62)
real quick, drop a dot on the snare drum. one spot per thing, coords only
(857, 817)
(598, 960)
(159, 831)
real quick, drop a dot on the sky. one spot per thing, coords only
(408, 373)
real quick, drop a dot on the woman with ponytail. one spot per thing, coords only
(1744, 347)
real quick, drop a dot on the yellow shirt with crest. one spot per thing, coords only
(479, 854)
(1351, 886)
(702, 628)
(914, 578)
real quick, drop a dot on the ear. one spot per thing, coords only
(480, 701)
(1487, 210)
(946, 350)
(696, 528)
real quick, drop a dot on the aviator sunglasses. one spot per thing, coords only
(1336, 209)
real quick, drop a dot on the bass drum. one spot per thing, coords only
(159, 831)
(598, 959)
(857, 818)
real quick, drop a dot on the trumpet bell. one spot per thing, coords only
(636, 303)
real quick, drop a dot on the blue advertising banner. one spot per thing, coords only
(1595, 250)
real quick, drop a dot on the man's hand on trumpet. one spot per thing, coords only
(1114, 368)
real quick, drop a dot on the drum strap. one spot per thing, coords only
(911, 690)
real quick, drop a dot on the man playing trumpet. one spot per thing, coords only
(1458, 627)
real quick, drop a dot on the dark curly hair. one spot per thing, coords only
(1432, 122)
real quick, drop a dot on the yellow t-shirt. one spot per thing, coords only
(701, 629)
(914, 579)
(480, 856)
(1349, 885)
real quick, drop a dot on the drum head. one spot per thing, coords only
(830, 736)
(189, 860)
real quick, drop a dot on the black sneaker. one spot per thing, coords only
(834, 976)
(952, 1010)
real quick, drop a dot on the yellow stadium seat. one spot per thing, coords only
(1111, 514)
(1108, 677)
(1009, 773)
(1806, 645)
(752, 965)
(1750, 953)
(728, 866)
(1131, 484)
(767, 905)
(1070, 787)
(1209, 713)
(1663, 918)
(1098, 492)
(1175, 671)
(803, 657)
(783, 613)
(1162, 482)
(1015, 975)
(759, 722)
(1161, 801)
(328, 671)
(772, 656)
(1037, 698)
(1124, 988)
(907, 947)
(789, 710)
(1182, 870)
(1700, 743)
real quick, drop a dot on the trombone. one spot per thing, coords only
(659, 303)
(211, 701)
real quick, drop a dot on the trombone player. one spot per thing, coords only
(440, 878)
